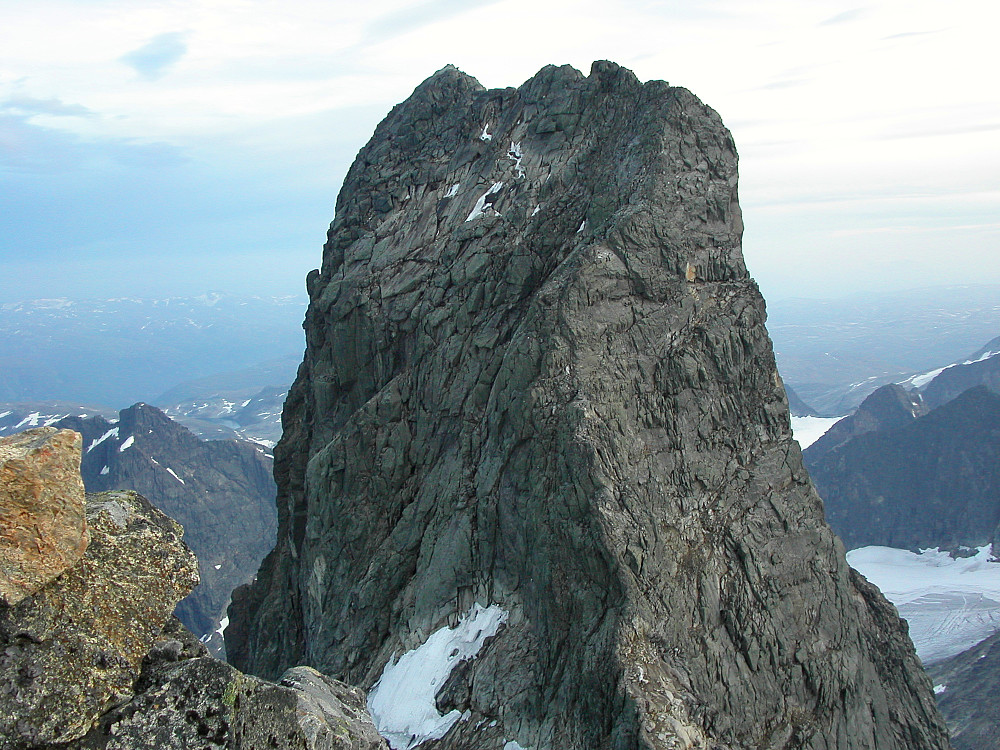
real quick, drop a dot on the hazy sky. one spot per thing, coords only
(177, 146)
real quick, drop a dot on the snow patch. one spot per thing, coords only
(537, 209)
(485, 135)
(113, 432)
(105, 470)
(512, 745)
(31, 420)
(4, 414)
(453, 190)
(807, 430)
(950, 604)
(919, 381)
(217, 566)
(171, 472)
(514, 154)
(223, 624)
(938, 689)
(127, 444)
(480, 207)
(402, 701)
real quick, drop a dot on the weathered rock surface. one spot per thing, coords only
(185, 699)
(220, 491)
(73, 649)
(968, 686)
(43, 522)
(537, 377)
(932, 482)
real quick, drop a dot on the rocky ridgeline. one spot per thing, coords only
(538, 451)
(90, 656)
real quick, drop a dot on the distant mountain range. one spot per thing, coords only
(836, 352)
(118, 351)
(192, 354)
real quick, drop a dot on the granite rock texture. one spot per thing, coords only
(74, 648)
(43, 521)
(537, 376)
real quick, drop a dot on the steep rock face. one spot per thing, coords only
(43, 521)
(537, 379)
(967, 685)
(934, 482)
(220, 491)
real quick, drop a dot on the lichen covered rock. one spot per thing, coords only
(72, 650)
(196, 701)
(43, 523)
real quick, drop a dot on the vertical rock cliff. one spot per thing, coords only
(539, 454)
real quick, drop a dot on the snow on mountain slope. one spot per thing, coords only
(950, 604)
(808, 430)
(922, 379)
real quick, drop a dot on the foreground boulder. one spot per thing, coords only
(186, 698)
(43, 524)
(73, 649)
(93, 658)
(537, 486)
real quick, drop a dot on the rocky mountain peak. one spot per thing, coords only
(537, 486)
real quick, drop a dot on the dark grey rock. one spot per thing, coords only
(969, 683)
(73, 649)
(933, 482)
(537, 376)
(201, 702)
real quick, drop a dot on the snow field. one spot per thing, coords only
(950, 604)
(402, 701)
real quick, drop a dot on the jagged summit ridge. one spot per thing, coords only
(537, 378)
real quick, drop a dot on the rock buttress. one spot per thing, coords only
(537, 376)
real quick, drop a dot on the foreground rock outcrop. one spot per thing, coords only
(93, 660)
(187, 699)
(73, 649)
(539, 453)
(43, 523)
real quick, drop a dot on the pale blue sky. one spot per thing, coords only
(169, 147)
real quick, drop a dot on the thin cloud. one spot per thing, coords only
(153, 58)
(418, 15)
(940, 131)
(907, 34)
(28, 148)
(845, 17)
(28, 106)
